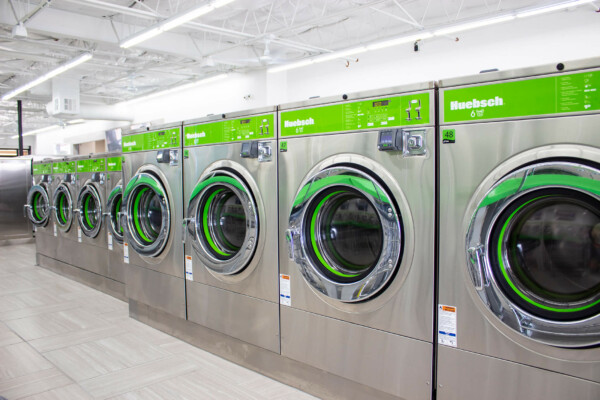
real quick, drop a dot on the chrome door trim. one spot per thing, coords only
(89, 188)
(243, 257)
(63, 188)
(389, 260)
(43, 190)
(579, 333)
(116, 191)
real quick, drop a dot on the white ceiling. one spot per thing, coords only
(241, 36)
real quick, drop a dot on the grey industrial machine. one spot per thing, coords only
(152, 219)
(356, 226)
(112, 214)
(230, 192)
(15, 181)
(519, 236)
(38, 209)
(64, 195)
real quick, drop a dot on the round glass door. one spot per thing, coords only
(89, 216)
(113, 204)
(345, 233)
(225, 222)
(539, 231)
(63, 207)
(148, 214)
(38, 205)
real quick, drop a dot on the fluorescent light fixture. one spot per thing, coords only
(76, 121)
(400, 40)
(33, 132)
(49, 75)
(472, 25)
(175, 89)
(172, 22)
(556, 7)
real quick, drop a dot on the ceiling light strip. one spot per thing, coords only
(40, 130)
(49, 75)
(172, 22)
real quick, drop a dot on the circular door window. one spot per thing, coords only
(113, 204)
(89, 204)
(540, 227)
(63, 206)
(345, 233)
(225, 222)
(38, 205)
(148, 214)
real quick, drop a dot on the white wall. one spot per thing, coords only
(551, 38)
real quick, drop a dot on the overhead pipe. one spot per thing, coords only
(20, 126)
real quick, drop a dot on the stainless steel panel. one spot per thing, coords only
(90, 258)
(260, 279)
(391, 363)
(307, 378)
(162, 291)
(468, 376)
(46, 243)
(15, 181)
(405, 307)
(116, 266)
(243, 317)
(230, 115)
(106, 285)
(481, 155)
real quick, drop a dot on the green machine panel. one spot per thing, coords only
(246, 128)
(154, 140)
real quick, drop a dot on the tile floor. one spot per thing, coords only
(62, 340)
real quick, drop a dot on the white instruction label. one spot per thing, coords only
(189, 269)
(126, 253)
(285, 297)
(447, 325)
(55, 232)
(79, 234)
(110, 242)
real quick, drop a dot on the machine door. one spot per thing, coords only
(148, 214)
(63, 207)
(113, 205)
(223, 221)
(38, 205)
(89, 205)
(533, 249)
(345, 233)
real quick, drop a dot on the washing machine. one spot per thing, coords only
(152, 219)
(112, 215)
(91, 252)
(519, 234)
(356, 223)
(39, 206)
(230, 192)
(63, 205)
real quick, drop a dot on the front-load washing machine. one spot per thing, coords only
(91, 253)
(152, 219)
(112, 215)
(519, 235)
(63, 206)
(356, 209)
(38, 209)
(230, 192)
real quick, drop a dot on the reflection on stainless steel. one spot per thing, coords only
(15, 181)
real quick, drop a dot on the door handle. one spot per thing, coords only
(476, 266)
(186, 222)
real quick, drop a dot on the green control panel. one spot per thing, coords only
(92, 165)
(247, 128)
(548, 95)
(64, 167)
(114, 164)
(154, 140)
(406, 110)
(42, 169)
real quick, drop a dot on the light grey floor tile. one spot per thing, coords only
(56, 342)
(131, 379)
(31, 311)
(69, 392)
(13, 284)
(20, 359)
(34, 383)
(8, 337)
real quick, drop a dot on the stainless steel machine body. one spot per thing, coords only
(38, 208)
(152, 218)
(519, 236)
(356, 235)
(15, 182)
(230, 196)
(64, 197)
(112, 218)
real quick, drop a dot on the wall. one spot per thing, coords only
(551, 38)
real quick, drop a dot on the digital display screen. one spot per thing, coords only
(161, 133)
(381, 103)
(244, 121)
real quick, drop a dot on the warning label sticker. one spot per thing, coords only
(55, 232)
(447, 325)
(285, 297)
(189, 270)
(126, 253)
(110, 241)
(79, 234)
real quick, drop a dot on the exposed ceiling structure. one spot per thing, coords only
(38, 35)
